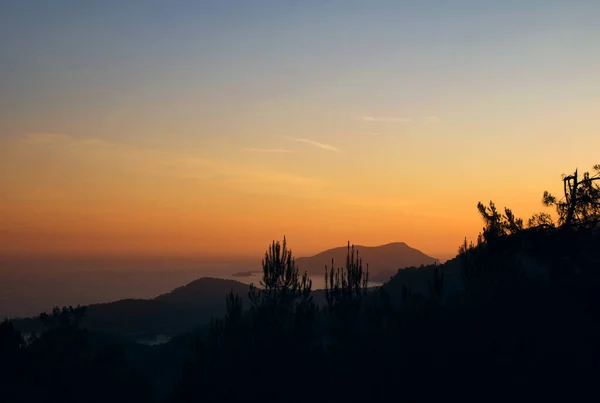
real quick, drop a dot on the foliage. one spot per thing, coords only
(498, 225)
(541, 221)
(281, 282)
(580, 206)
(284, 299)
(10, 339)
(280, 320)
(345, 290)
(63, 363)
(67, 318)
(346, 286)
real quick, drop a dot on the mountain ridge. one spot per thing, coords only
(386, 258)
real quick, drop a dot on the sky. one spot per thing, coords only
(211, 128)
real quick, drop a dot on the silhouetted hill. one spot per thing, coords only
(417, 280)
(179, 311)
(384, 260)
(205, 290)
(531, 252)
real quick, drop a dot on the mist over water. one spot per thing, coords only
(31, 285)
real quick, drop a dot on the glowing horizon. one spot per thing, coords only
(231, 126)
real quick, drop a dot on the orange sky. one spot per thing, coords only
(62, 194)
(233, 125)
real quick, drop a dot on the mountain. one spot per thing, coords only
(385, 259)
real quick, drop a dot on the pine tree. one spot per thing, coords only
(284, 303)
(345, 290)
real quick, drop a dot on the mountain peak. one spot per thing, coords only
(389, 257)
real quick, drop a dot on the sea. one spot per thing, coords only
(30, 285)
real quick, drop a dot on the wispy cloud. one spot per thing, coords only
(372, 134)
(313, 143)
(268, 150)
(175, 163)
(385, 119)
(432, 119)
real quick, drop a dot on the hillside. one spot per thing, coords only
(205, 290)
(179, 311)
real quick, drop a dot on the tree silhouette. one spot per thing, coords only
(66, 362)
(491, 263)
(498, 225)
(284, 304)
(11, 340)
(345, 290)
(281, 282)
(12, 366)
(580, 205)
(67, 318)
(541, 221)
(346, 286)
(227, 332)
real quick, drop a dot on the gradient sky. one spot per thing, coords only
(213, 127)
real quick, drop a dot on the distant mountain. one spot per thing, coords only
(381, 259)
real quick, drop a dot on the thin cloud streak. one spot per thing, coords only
(374, 119)
(268, 150)
(173, 164)
(313, 143)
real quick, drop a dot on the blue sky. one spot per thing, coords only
(493, 99)
(218, 58)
